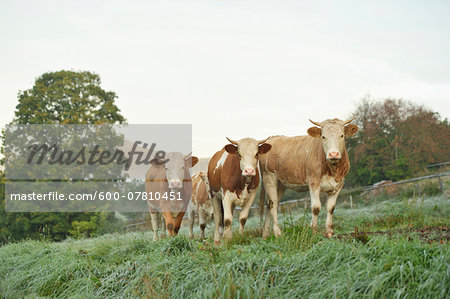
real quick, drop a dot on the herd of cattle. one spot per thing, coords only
(317, 162)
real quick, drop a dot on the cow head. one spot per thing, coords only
(248, 150)
(175, 166)
(332, 133)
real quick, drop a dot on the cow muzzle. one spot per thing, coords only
(334, 157)
(249, 172)
(175, 184)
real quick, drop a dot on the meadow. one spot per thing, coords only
(388, 247)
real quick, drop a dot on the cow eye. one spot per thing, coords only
(323, 137)
(256, 156)
(342, 135)
(165, 168)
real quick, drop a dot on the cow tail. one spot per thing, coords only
(262, 197)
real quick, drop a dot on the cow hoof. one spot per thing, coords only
(217, 243)
(266, 233)
(277, 232)
(330, 233)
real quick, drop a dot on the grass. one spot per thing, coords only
(300, 263)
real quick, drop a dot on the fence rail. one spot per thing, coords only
(437, 175)
(438, 164)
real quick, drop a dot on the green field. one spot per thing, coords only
(400, 249)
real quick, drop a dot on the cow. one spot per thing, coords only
(233, 178)
(200, 203)
(317, 162)
(168, 187)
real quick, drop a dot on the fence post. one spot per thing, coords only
(441, 184)
(351, 202)
(418, 189)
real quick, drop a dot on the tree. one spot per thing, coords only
(396, 140)
(67, 97)
(63, 97)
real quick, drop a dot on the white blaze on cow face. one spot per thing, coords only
(248, 150)
(333, 141)
(175, 168)
(332, 134)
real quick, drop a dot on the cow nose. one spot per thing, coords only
(249, 171)
(175, 184)
(334, 155)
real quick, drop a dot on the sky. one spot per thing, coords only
(233, 68)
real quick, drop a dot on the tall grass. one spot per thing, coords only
(298, 264)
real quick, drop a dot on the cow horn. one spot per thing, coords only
(316, 123)
(348, 121)
(232, 141)
(187, 156)
(262, 141)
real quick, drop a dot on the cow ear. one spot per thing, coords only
(350, 130)
(158, 162)
(191, 161)
(314, 132)
(231, 149)
(264, 148)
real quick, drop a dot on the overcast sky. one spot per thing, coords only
(233, 68)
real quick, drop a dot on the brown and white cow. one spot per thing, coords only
(200, 203)
(233, 178)
(168, 186)
(318, 163)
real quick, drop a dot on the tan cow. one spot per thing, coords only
(200, 203)
(168, 186)
(234, 177)
(318, 163)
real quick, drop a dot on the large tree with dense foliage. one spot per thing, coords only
(63, 97)
(396, 140)
(67, 97)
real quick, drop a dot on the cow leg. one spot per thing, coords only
(331, 204)
(271, 186)
(267, 221)
(227, 215)
(217, 205)
(315, 205)
(280, 191)
(154, 216)
(202, 222)
(191, 212)
(163, 225)
(244, 213)
(262, 199)
(177, 222)
(170, 225)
